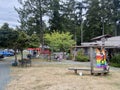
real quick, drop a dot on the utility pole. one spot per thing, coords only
(103, 27)
(80, 7)
(103, 31)
(81, 20)
(81, 28)
(75, 37)
(41, 25)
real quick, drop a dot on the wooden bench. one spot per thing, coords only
(104, 72)
(25, 62)
(76, 69)
(101, 72)
(97, 72)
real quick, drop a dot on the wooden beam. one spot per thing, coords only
(91, 60)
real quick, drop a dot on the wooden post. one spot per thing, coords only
(91, 60)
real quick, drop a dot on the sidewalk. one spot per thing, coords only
(4, 74)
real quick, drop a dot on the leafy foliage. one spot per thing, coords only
(8, 36)
(59, 41)
(55, 18)
(100, 17)
(115, 59)
(23, 41)
(34, 41)
(81, 57)
(31, 16)
(5, 26)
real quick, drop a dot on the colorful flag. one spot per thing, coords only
(101, 58)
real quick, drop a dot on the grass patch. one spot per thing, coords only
(46, 75)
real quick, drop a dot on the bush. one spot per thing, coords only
(115, 64)
(81, 57)
(115, 61)
(70, 57)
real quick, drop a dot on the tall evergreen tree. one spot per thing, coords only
(66, 16)
(116, 16)
(98, 19)
(93, 25)
(55, 18)
(5, 26)
(31, 15)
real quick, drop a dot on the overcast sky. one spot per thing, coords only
(7, 12)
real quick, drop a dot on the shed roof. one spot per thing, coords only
(100, 37)
(110, 42)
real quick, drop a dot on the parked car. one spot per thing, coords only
(6, 53)
(1, 56)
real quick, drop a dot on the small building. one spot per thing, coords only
(111, 44)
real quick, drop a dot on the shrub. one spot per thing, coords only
(70, 57)
(81, 57)
(115, 61)
(115, 64)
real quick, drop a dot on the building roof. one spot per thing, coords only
(100, 37)
(110, 42)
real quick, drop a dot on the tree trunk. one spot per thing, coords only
(15, 56)
(15, 62)
(21, 54)
(63, 55)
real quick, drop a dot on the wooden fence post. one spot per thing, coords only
(91, 60)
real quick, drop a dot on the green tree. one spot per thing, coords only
(25, 41)
(34, 41)
(31, 15)
(14, 39)
(64, 16)
(55, 18)
(115, 8)
(72, 18)
(69, 16)
(59, 41)
(98, 19)
(22, 42)
(5, 26)
(93, 20)
(8, 38)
